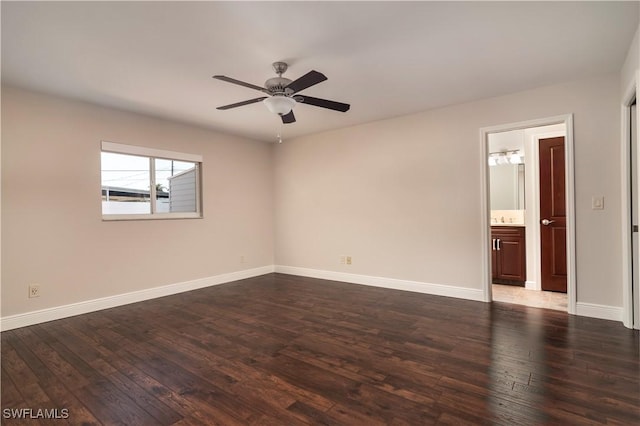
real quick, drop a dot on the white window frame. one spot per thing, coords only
(152, 154)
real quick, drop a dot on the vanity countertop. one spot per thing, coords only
(508, 224)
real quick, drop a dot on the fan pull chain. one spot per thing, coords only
(279, 135)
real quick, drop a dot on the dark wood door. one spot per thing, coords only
(553, 220)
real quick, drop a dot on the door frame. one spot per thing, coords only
(627, 262)
(485, 213)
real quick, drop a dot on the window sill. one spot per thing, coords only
(157, 216)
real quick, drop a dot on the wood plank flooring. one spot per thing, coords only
(286, 350)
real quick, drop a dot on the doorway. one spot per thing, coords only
(549, 141)
(630, 167)
(635, 217)
(634, 207)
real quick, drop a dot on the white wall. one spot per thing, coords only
(52, 228)
(402, 196)
(632, 62)
(512, 140)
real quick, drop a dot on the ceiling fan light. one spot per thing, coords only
(280, 105)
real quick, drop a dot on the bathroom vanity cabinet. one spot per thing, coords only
(508, 255)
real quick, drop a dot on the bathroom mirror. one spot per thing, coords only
(507, 186)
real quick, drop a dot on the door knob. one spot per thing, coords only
(546, 222)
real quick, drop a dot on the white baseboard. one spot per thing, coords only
(58, 312)
(531, 285)
(593, 310)
(392, 283)
(613, 313)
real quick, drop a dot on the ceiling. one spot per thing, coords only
(384, 58)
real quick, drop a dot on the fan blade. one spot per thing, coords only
(309, 79)
(336, 106)
(240, 83)
(238, 104)
(288, 118)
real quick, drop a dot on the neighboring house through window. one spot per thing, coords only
(147, 183)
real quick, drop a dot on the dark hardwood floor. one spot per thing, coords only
(286, 350)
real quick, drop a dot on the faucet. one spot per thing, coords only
(502, 219)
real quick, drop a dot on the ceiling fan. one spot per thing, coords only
(282, 93)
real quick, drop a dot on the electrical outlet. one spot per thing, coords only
(348, 260)
(34, 290)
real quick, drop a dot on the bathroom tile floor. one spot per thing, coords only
(533, 298)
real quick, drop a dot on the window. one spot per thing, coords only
(146, 183)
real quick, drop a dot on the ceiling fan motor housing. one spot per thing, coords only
(277, 85)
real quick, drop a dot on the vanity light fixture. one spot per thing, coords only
(515, 158)
(505, 157)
